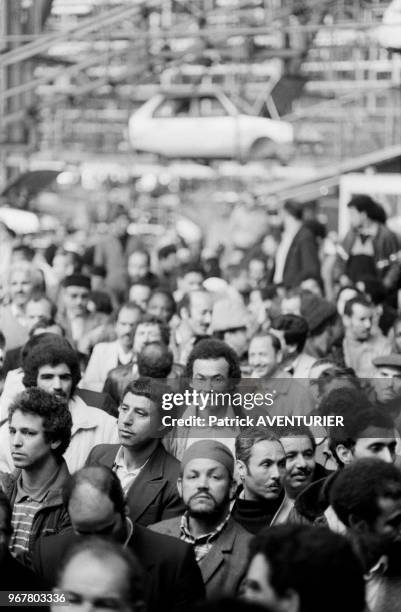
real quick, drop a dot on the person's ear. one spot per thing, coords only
(344, 454)
(54, 445)
(241, 469)
(233, 488)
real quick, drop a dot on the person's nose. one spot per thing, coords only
(386, 455)
(207, 318)
(300, 461)
(275, 472)
(203, 482)
(57, 383)
(17, 440)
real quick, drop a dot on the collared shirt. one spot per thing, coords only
(26, 505)
(202, 544)
(373, 581)
(124, 358)
(126, 475)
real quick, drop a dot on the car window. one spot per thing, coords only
(173, 107)
(210, 106)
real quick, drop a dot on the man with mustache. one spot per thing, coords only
(108, 355)
(301, 468)
(53, 366)
(366, 496)
(40, 431)
(261, 465)
(206, 486)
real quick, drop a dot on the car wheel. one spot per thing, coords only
(262, 148)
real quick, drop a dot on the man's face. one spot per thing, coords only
(37, 310)
(205, 487)
(29, 448)
(93, 513)
(359, 324)
(139, 294)
(168, 264)
(200, 314)
(376, 442)
(357, 219)
(265, 471)
(192, 281)
(263, 358)
(138, 421)
(146, 333)
(210, 374)
(56, 380)
(76, 300)
(20, 287)
(257, 588)
(257, 270)
(138, 266)
(160, 306)
(299, 463)
(125, 326)
(387, 383)
(94, 583)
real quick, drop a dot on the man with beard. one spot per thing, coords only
(147, 472)
(367, 497)
(206, 486)
(301, 468)
(54, 367)
(261, 464)
(40, 431)
(108, 355)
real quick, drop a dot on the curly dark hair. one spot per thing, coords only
(150, 320)
(214, 349)
(53, 351)
(57, 420)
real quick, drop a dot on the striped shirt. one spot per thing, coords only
(22, 519)
(202, 544)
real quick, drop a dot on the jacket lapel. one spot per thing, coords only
(215, 557)
(147, 485)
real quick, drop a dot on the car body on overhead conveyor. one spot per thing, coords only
(205, 124)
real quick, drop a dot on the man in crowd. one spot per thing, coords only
(108, 355)
(148, 329)
(297, 256)
(147, 472)
(206, 486)
(367, 498)
(195, 310)
(54, 367)
(139, 269)
(14, 575)
(212, 366)
(298, 568)
(101, 574)
(95, 502)
(366, 433)
(292, 332)
(360, 344)
(40, 432)
(289, 396)
(23, 279)
(387, 377)
(260, 464)
(301, 468)
(229, 323)
(161, 305)
(74, 315)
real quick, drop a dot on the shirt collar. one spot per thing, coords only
(208, 537)
(378, 570)
(40, 494)
(120, 462)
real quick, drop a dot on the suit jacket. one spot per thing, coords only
(104, 358)
(173, 582)
(224, 566)
(302, 260)
(153, 496)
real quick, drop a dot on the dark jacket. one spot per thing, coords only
(386, 256)
(52, 517)
(224, 566)
(16, 577)
(302, 260)
(313, 502)
(173, 580)
(153, 496)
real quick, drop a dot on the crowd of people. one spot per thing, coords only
(112, 498)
